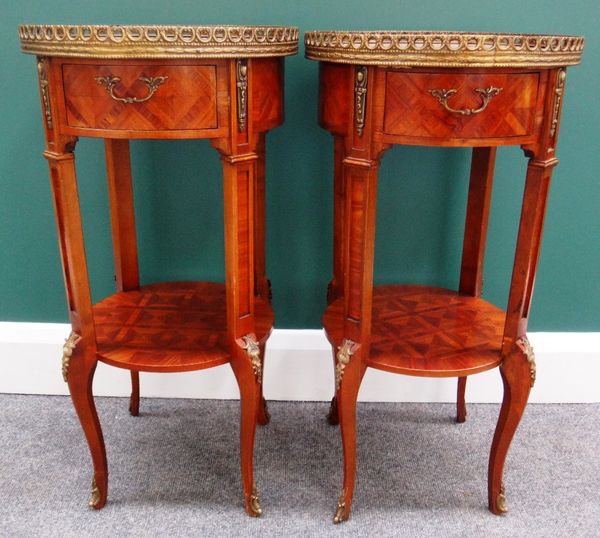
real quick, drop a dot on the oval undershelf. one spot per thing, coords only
(426, 331)
(169, 327)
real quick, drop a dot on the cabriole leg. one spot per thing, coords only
(248, 381)
(518, 375)
(348, 378)
(80, 375)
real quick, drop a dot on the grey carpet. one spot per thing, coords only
(174, 471)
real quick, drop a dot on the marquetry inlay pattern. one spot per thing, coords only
(420, 330)
(186, 100)
(175, 326)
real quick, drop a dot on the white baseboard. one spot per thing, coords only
(299, 366)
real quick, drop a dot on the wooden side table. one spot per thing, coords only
(170, 82)
(435, 89)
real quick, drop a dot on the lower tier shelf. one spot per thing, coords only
(169, 327)
(425, 331)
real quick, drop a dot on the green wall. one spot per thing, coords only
(422, 192)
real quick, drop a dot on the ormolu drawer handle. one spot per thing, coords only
(485, 93)
(110, 82)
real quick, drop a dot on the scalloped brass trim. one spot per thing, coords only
(68, 347)
(157, 41)
(443, 49)
(253, 351)
(345, 351)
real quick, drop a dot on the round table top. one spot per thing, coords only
(155, 41)
(443, 49)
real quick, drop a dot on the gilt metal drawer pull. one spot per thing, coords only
(485, 93)
(110, 82)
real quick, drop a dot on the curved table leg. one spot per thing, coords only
(80, 375)
(348, 381)
(248, 382)
(518, 374)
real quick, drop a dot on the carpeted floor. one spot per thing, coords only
(174, 471)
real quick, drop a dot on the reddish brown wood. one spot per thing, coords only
(411, 110)
(79, 115)
(335, 97)
(476, 223)
(432, 332)
(122, 219)
(80, 378)
(332, 415)
(267, 93)
(249, 397)
(186, 100)
(262, 286)
(165, 327)
(169, 327)
(83, 361)
(262, 411)
(425, 331)
(346, 407)
(335, 288)
(122, 214)
(528, 249)
(461, 406)
(478, 211)
(134, 400)
(516, 375)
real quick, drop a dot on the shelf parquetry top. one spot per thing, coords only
(443, 49)
(87, 41)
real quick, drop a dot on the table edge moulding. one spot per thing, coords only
(222, 83)
(456, 89)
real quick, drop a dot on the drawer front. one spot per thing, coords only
(459, 106)
(140, 97)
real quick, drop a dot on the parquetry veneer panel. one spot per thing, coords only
(185, 100)
(411, 109)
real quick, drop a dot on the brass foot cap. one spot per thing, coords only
(340, 513)
(255, 508)
(501, 503)
(95, 498)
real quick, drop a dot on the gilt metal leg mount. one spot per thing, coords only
(253, 351)
(68, 347)
(345, 352)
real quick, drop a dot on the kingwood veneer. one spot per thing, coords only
(435, 89)
(172, 82)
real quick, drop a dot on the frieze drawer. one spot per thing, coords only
(143, 97)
